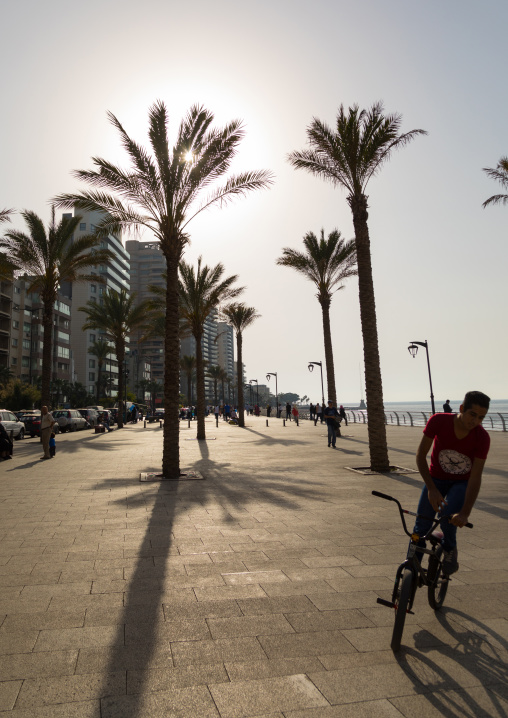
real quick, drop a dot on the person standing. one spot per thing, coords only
(295, 414)
(342, 414)
(52, 445)
(319, 414)
(447, 408)
(312, 409)
(331, 414)
(268, 410)
(288, 411)
(47, 424)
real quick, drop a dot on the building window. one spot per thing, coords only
(14, 360)
(26, 344)
(25, 361)
(82, 226)
(91, 363)
(26, 327)
(63, 352)
(92, 338)
(14, 342)
(17, 290)
(93, 288)
(91, 376)
(15, 324)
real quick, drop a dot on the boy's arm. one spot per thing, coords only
(436, 499)
(473, 488)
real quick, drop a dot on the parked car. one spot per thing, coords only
(91, 416)
(69, 420)
(11, 423)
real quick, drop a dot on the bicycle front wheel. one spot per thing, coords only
(439, 585)
(406, 586)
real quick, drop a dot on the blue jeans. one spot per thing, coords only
(454, 492)
(332, 434)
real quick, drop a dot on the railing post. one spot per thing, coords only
(397, 417)
(503, 421)
(410, 417)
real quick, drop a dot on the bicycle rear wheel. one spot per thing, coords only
(439, 585)
(406, 586)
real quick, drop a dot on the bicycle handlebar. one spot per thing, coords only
(401, 510)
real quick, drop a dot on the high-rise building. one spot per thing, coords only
(226, 345)
(210, 352)
(114, 275)
(147, 265)
(5, 321)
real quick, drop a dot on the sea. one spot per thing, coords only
(496, 405)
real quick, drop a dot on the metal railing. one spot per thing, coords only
(497, 421)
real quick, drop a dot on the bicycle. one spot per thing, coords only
(411, 574)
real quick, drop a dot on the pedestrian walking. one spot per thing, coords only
(288, 411)
(312, 410)
(295, 414)
(319, 414)
(333, 421)
(47, 424)
(268, 410)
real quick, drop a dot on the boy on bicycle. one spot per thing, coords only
(459, 448)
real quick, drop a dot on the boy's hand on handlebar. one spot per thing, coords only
(437, 502)
(459, 520)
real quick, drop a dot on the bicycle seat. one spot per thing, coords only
(436, 536)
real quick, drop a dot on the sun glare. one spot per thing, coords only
(188, 156)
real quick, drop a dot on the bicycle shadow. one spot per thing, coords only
(457, 675)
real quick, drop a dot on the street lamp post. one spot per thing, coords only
(274, 373)
(413, 350)
(311, 369)
(257, 390)
(249, 387)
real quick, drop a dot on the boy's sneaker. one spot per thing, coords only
(450, 564)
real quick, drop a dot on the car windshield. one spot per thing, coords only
(56, 414)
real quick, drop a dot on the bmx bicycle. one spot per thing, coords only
(411, 574)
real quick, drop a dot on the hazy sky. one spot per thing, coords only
(439, 259)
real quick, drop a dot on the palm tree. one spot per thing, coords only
(48, 259)
(201, 291)
(215, 373)
(116, 317)
(500, 174)
(5, 215)
(349, 156)
(100, 349)
(160, 193)
(188, 366)
(240, 317)
(5, 375)
(327, 263)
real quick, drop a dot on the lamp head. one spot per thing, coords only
(413, 350)
(311, 367)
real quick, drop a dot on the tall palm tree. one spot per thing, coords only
(327, 263)
(116, 317)
(349, 156)
(5, 215)
(215, 373)
(47, 259)
(500, 174)
(188, 366)
(100, 349)
(160, 192)
(201, 291)
(240, 317)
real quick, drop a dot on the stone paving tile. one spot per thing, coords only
(17, 641)
(21, 605)
(201, 609)
(305, 644)
(166, 631)
(215, 651)
(47, 691)
(365, 709)
(271, 668)
(109, 600)
(328, 620)
(8, 693)
(32, 665)
(163, 679)
(472, 703)
(371, 583)
(337, 601)
(350, 686)
(67, 638)
(236, 700)
(181, 702)
(249, 626)
(40, 621)
(41, 593)
(104, 616)
(217, 593)
(295, 588)
(109, 659)
(279, 604)
(82, 709)
(244, 577)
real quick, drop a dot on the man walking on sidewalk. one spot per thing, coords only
(47, 424)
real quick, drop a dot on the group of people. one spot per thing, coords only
(316, 412)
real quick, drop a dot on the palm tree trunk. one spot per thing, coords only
(330, 371)
(47, 343)
(215, 391)
(120, 357)
(171, 446)
(189, 388)
(373, 385)
(99, 376)
(200, 388)
(239, 379)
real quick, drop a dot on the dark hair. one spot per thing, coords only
(476, 397)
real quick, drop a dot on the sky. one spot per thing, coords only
(439, 258)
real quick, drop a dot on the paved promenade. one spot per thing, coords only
(249, 593)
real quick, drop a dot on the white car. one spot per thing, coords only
(69, 419)
(10, 423)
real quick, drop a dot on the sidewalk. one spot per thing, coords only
(250, 593)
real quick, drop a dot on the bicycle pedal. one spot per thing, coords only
(390, 604)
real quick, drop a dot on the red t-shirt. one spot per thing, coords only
(452, 458)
